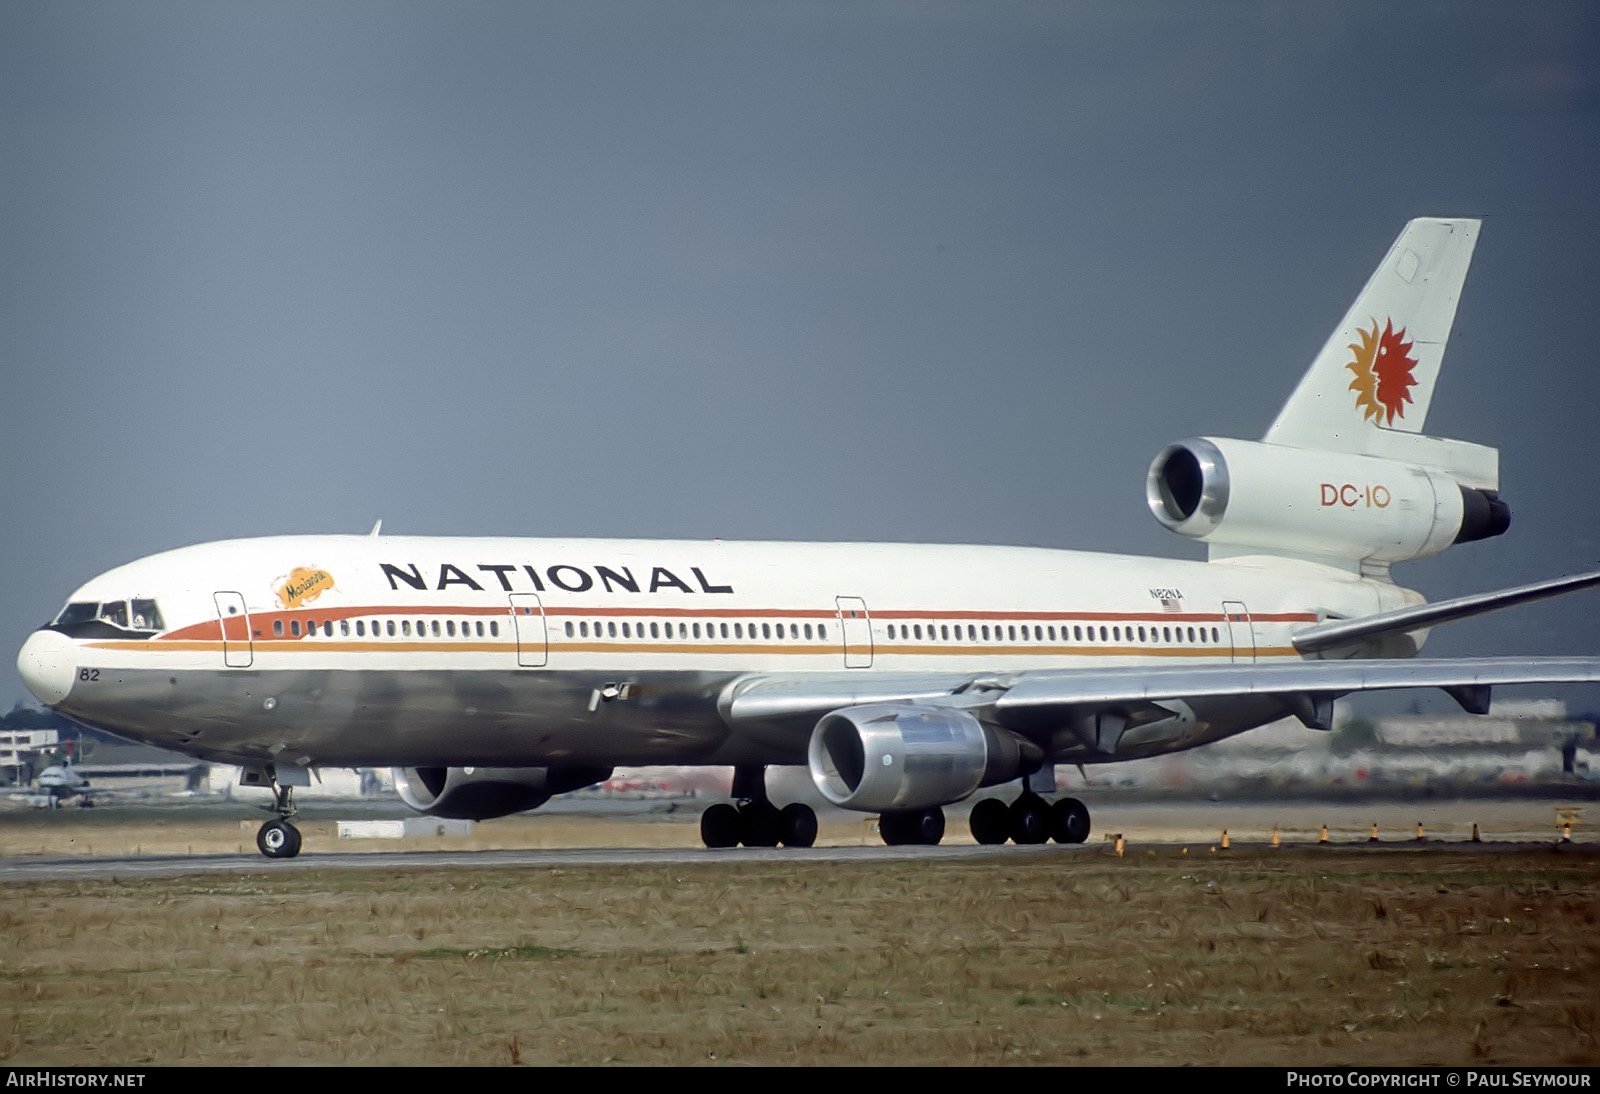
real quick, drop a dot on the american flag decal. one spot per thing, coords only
(1168, 604)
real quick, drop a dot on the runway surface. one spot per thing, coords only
(154, 842)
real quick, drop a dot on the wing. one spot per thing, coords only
(1026, 701)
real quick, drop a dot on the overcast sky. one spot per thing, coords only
(907, 271)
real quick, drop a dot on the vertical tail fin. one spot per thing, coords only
(1368, 391)
(1375, 376)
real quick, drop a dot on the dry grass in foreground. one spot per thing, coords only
(1297, 957)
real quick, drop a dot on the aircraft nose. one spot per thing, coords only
(47, 665)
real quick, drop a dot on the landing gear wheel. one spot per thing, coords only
(1069, 819)
(1030, 819)
(915, 826)
(759, 824)
(719, 826)
(278, 839)
(991, 821)
(929, 826)
(797, 824)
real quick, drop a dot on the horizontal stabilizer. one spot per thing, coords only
(1345, 632)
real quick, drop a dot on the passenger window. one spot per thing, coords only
(583, 629)
(327, 628)
(724, 630)
(655, 630)
(1011, 633)
(738, 630)
(405, 627)
(822, 632)
(361, 628)
(449, 628)
(277, 628)
(390, 627)
(494, 628)
(294, 627)
(1214, 635)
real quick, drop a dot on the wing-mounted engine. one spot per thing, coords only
(898, 756)
(1247, 496)
(480, 793)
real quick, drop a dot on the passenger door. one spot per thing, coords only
(856, 626)
(238, 651)
(533, 641)
(1241, 633)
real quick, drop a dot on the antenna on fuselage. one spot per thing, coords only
(376, 528)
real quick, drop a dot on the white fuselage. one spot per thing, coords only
(350, 650)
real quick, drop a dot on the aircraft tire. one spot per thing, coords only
(1069, 819)
(913, 826)
(1030, 819)
(894, 829)
(991, 822)
(760, 824)
(278, 839)
(928, 826)
(719, 826)
(798, 823)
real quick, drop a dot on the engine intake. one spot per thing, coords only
(480, 793)
(892, 756)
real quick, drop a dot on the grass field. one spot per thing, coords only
(1287, 957)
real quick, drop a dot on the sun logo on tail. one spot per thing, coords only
(1382, 365)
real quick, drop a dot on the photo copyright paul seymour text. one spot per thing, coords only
(1468, 1079)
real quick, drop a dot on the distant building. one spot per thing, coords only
(21, 751)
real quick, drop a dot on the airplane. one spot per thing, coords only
(59, 782)
(493, 673)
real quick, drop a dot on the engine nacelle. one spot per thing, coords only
(1246, 494)
(479, 793)
(891, 756)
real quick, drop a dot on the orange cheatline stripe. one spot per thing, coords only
(290, 645)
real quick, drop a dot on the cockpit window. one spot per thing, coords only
(77, 613)
(146, 616)
(110, 619)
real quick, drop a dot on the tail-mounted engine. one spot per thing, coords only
(1241, 495)
(892, 756)
(479, 793)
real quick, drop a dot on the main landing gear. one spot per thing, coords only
(1030, 819)
(753, 820)
(278, 838)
